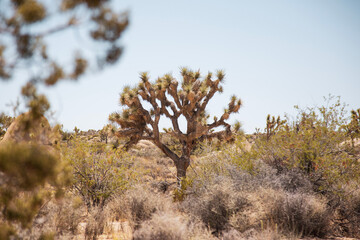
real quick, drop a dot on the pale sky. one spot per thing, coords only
(276, 54)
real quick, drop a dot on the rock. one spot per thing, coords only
(27, 129)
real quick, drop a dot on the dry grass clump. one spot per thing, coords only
(57, 218)
(143, 203)
(300, 214)
(162, 226)
(213, 166)
(231, 201)
(68, 216)
(153, 215)
(47, 236)
(95, 223)
(215, 205)
(266, 176)
(348, 213)
(252, 234)
(232, 234)
(171, 226)
(292, 180)
(138, 205)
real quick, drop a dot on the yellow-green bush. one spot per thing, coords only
(239, 154)
(302, 214)
(99, 171)
(314, 142)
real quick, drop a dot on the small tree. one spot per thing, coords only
(76, 130)
(166, 99)
(272, 125)
(106, 132)
(98, 172)
(353, 127)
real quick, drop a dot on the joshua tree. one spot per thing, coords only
(166, 99)
(106, 132)
(353, 128)
(272, 125)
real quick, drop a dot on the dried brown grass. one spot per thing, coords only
(138, 205)
(171, 226)
(301, 214)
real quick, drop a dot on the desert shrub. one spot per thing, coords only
(168, 225)
(239, 154)
(99, 171)
(347, 217)
(181, 192)
(252, 234)
(29, 175)
(300, 214)
(142, 208)
(215, 205)
(68, 215)
(47, 236)
(162, 226)
(57, 218)
(227, 197)
(118, 207)
(232, 234)
(293, 180)
(95, 223)
(198, 231)
(289, 180)
(206, 168)
(314, 144)
(235, 164)
(138, 204)
(214, 167)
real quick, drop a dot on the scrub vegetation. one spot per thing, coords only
(297, 178)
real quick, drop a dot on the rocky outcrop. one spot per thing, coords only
(25, 128)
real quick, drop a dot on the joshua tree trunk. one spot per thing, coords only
(181, 163)
(181, 166)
